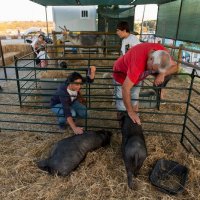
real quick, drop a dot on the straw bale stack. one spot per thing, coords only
(11, 50)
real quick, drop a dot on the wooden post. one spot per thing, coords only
(141, 30)
(180, 55)
(3, 61)
(54, 43)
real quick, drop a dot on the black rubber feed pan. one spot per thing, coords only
(169, 176)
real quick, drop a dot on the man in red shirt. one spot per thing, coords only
(140, 61)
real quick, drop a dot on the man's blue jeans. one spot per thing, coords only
(77, 109)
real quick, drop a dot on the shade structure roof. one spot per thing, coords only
(97, 2)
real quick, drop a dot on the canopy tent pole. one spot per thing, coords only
(134, 20)
(156, 23)
(47, 21)
(179, 16)
(141, 30)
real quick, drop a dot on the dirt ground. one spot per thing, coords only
(102, 174)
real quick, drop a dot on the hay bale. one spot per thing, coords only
(9, 57)
(11, 50)
(22, 48)
(54, 74)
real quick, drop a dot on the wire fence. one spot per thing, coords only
(25, 106)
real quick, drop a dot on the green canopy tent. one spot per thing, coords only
(116, 12)
(177, 19)
(98, 2)
(109, 16)
(113, 17)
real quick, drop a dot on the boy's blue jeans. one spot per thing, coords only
(77, 109)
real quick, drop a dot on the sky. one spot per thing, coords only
(25, 10)
(150, 12)
(22, 10)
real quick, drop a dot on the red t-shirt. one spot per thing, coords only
(133, 63)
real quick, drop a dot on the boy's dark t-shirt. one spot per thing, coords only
(62, 96)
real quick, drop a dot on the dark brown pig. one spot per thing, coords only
(68, 153)
(134, 150)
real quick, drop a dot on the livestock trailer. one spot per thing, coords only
(75, 18)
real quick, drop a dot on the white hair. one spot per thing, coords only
(162, 59)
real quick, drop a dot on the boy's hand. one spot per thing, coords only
(92, 68)
(92, 72)
(78, 130)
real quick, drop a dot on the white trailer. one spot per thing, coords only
(75, 18)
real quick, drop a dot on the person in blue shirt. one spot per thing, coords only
(66, 103)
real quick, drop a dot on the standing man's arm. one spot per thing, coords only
(126, 94)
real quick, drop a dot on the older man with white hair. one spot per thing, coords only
(139, 62)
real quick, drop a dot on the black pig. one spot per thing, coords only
(68, 153)
(134, 150)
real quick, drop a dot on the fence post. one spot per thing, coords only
(54, 43)
(18, 81)
(35, 73)
(188, 102)
(3, 61)
(87, 92)
(89, 75)
(158, 93)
